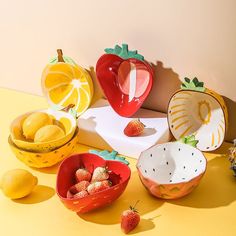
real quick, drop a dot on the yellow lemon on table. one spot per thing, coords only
(34, 122)
(65, 83)
(18, 183)
(48, 133)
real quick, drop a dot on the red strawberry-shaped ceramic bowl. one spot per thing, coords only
(126, 79)
(119, 176)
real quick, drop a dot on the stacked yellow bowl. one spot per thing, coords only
(44, 137)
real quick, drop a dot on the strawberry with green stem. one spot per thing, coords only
(100, 174)
(130, 219)
(134, 128)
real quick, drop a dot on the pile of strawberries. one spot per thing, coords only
(88, 184)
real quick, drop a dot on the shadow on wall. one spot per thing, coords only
(231, 132)
(98, 93)
(166, 82)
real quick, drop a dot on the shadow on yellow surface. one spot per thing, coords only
(144, 225)
(212, 192)
(223, 150)
(48, 170)
(40, 193)
(135, 191)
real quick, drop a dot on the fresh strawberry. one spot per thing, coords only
(82, 185)
(69, 194)
(129, 219)
(82, 174)
(98, 186)
(100, 173)
(134, 128)
(81, 194)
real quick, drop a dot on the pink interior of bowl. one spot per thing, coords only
(126, 83)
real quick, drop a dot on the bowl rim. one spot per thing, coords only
(73, 127)
(149, 69)
(93, 195)
(225, 111)
(182, 182)
(12, 144)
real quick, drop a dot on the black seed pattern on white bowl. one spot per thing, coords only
(172, 162)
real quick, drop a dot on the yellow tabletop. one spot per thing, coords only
(209, 210)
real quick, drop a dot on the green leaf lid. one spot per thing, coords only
(61, 58)
(193, 84)
(190, 140)
(124, 52)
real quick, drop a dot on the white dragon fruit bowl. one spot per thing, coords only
(171, 170)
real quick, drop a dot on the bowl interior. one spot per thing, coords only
(171, 163)
(66, 174)
(51, 152)
(126, 83)
(197, 113)
(60, 118)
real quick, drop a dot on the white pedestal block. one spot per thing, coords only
(102, 128)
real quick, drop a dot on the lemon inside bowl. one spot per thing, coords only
(63, 120)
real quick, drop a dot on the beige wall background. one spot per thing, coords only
(180, 37)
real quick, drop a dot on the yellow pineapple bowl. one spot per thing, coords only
(44, 137)
(44, 159)
(196, 110)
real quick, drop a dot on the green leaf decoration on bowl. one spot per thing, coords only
(124, 52)
(111, 156)
(193, 84)
(67, 60)
(71, 111)
(190, 140)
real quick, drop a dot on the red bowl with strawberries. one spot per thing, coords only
(86, 181)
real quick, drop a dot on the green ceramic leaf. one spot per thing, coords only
(193, 84)
(190, 140)
(124, 52)
(68, 60)
(73, 112)
(187, 80)
(113, 155)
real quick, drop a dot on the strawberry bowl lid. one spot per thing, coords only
(125, 78)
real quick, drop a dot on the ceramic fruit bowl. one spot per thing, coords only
(44, 159)
(196, 110)
(66, 178)
(64, 82)
(171, 170)
(126, 79)
(64, 120)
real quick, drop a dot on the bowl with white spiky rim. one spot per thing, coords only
(171, 170)
(196, 110)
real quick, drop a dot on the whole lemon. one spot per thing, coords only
(18, 183)
(34, 122)
(49, 133)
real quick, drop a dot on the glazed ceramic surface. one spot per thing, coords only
(203, 114)
(63, 119)
(64, 84)
(66, 178)
(44, 159)
(171, 170)
(125, 79)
